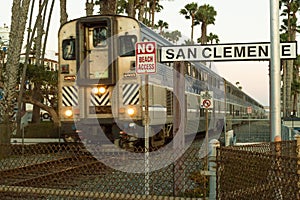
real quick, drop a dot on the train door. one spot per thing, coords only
(96, 70)
(97, 47)
(95, 63)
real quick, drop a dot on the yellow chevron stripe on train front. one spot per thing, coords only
(100, 99)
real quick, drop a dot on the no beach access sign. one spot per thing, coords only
(145, 57)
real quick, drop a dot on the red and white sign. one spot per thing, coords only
(206, 99)
(206, 103)
(145, 55)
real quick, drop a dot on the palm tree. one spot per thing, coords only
(188, 42)
(38, 55)
(189, 11)
(173, 36)
(154, 7)
(288, 29)
(63, 11)
(210, 38)
(128, 7)
(142, 8)
(161, 25)
(89, 7)
(206, 15)
(107, 7)
(295, 87)
(18, 24)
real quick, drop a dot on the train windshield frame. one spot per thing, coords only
(95, 51)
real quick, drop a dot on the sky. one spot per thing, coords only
(237, 21)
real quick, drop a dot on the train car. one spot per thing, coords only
(240, 106)
(100, 92)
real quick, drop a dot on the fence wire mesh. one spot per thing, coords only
(70, 171)
(260, 171)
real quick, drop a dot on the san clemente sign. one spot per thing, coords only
(226, 52)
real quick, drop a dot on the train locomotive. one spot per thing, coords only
(100, 92)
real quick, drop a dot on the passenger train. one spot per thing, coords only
(100, 92)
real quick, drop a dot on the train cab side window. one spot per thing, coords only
(68, 49)
(127, 45)
(100, 37)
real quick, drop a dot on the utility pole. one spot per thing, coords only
(275, 77)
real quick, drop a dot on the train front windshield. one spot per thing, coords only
(97, 66)
(95, 62)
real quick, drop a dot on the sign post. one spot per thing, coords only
(249, 111)
(206, 98)
(145, 53)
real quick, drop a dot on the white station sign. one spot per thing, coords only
(226, 52)
(145, 53)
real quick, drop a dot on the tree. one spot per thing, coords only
(131, 8)
(161, 25)
(211, 38)
(89, 7)
(63, 12)
(296, 85)
(289, 29)
(18, 23)
(39, 52)
(154, 7)
(189, 12)
(38, 55)
(107, 7)
(188, 42)
(173, 36)
(127, 7)
(206, 15)
(48, 80)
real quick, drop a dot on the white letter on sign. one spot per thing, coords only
(145, 48)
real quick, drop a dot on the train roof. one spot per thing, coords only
(248, 96)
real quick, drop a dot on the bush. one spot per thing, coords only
(41, 130)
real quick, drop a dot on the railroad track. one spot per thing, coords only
(67, 172)
(52, 172)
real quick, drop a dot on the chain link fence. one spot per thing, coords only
(69, 171)
(260, 171)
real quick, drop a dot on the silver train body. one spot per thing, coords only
(99, 87)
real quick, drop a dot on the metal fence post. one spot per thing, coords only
(213, 144)
(229, 138)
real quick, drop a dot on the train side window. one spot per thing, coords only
(188, 69)
(100, 36)
(68, 49)
(127, 45)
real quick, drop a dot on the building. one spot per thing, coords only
(4, 36)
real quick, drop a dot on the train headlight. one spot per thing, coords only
(131, 111)
(68, 113)
(95, 90)
(131, 125)
(99, 90)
